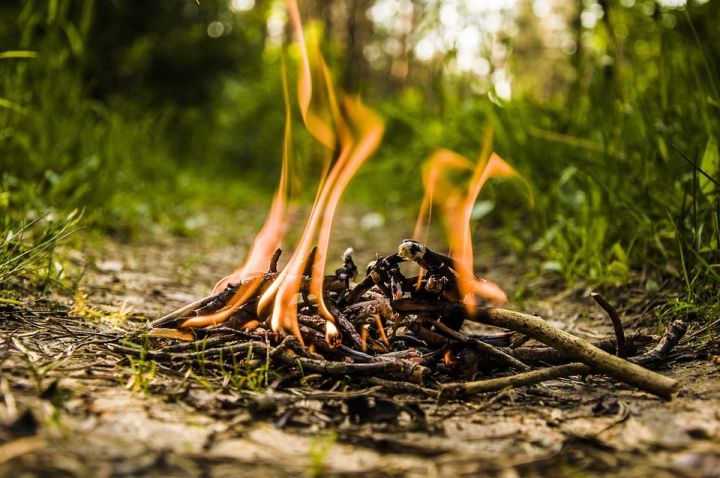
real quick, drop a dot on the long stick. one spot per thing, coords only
(549, 356)
(518, 380)
(580, 350)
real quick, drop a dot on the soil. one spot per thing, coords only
(71, 407)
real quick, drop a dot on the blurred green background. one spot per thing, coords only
(143, 113)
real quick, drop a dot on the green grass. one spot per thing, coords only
(623, 162)
(142, 370)
(624, 165)
(142, 373)
(28, 251)
(248, 374)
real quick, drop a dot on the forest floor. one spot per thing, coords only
(69, 406)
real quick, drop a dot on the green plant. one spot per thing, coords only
(81, 308)
(28, 249)
(249, 374)
(142, 373)
(320, 446)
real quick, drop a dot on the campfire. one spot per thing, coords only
(401, 330)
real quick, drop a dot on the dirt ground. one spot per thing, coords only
(69, 406)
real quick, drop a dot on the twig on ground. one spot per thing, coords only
(403, 387)
(551, 356)
(449, 390)
(231, 348)
(580, 350)
(396, 368)
(673, 333)
(616, 321)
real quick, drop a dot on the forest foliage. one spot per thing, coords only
(140, 113)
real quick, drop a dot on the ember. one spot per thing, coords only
(387, 324)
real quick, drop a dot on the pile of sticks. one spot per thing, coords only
(403, 333)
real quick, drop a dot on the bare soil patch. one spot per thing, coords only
(72, 407)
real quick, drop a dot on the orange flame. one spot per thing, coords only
(265, 243)
(359, 131)
(270, 236)
(285, 289)
(354, 131)
(456, 207)
(312, 102)
(461, 241)
(244, 293)
(370, 129)
(437, 184)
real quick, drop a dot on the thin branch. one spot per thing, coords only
(580, 350)
(449, 390)
(673, 333)
(620, 350)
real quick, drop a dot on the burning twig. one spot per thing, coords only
(182, 311)
(348, 271)
(344, 324)
(273, 267)
(434, 263)
(482, 347)
(424, 328)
